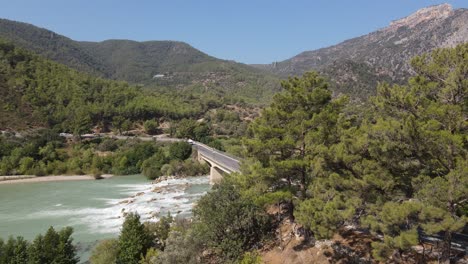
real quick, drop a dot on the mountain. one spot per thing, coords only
(356, 65)
(160, 65)
(37, 92)
(353, 67)
(51, 45)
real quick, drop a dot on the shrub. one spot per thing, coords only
(105, 252)
(39, 169)
(151, 127)
(108, 144)
(229, 223)
(251, 258)
(151, 256)
(216, 144)
(180, 150)
(160, 230)
(181, 247)
(25, 165)
(151, 167)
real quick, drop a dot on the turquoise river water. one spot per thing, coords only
(95, 209)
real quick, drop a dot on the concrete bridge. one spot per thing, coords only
(219, 161)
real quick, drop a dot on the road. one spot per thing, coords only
(219, 157)
(159, 139)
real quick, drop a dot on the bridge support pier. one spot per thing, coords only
(216, 175)
(217, 167)
(201, 159)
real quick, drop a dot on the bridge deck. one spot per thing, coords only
(219, 157)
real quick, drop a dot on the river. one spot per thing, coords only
(94, 209)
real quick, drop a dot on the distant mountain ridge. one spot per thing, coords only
(50, 45)
(356, 65)
(155, 64)
(159, 56)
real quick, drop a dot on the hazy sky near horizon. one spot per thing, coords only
(248, 31)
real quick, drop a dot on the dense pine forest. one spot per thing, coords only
(36, 92)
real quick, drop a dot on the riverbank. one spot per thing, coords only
(31, 179)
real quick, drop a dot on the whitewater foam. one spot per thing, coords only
(176, 196)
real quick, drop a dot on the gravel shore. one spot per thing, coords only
(30, 179)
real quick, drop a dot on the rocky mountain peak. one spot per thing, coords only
(428, 13)
(357, 65)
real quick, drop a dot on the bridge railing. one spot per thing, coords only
(217, 151)
(228, 162)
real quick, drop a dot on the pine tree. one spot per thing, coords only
(419, 137)
(66, 251)
(133, 240)
(8, 251)
(51, 241)
(283, 137)
(293, 142)
(20, 255)
(2, 251)
(36, 251)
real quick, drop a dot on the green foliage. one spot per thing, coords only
(285, 136)
(447, 192)
(188, 128)
(251, 258)
(395, 165)
(130, 160)
(105, 252)
(14, 251)
(216, 144)
(212, 81)
(229, 223)
(187, 167)
(322, 218)
(180, 151)
(151, 167)
(151, 126)
(108, 144)
(39, 92)
(53, 247)
(184, 128)
(181, 247)
(427, 155)
(20, 252)
(292, 144)
(160, 230)
(39, 155)
(66, 251)
(151, 256)
(134, 241)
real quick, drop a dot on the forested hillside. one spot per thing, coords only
(158, 65)
(50, 45)
(38, 92)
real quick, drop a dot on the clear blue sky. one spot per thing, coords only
(249, 31)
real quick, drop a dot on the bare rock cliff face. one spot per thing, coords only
(429, 13)
(355, 66)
